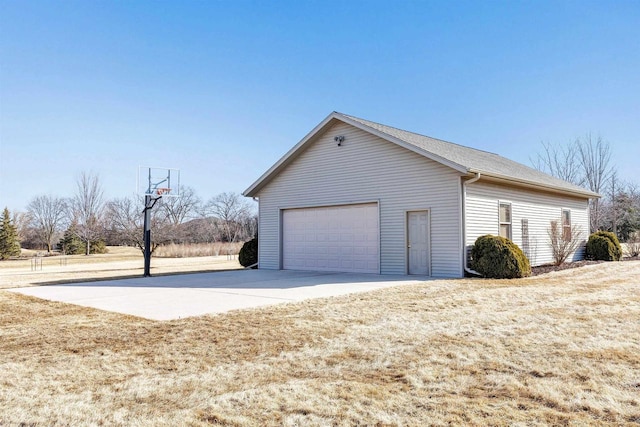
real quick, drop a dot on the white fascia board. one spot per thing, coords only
(250, 192)
(583, 194)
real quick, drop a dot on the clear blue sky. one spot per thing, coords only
(221, 90)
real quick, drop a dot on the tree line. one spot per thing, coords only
(87, 221)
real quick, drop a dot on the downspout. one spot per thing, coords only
(257, 264)
(464, 224)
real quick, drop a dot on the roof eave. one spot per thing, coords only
(579, 193)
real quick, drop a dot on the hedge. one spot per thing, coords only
(499, 258)
(603, 246)
(249, 253)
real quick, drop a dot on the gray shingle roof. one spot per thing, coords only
(473, 160)
(466, 160)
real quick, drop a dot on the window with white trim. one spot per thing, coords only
(505, 220)
(566, 225)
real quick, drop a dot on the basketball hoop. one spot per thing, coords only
(155, 184)
(158, 182)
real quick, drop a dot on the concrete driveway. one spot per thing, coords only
(174, 297)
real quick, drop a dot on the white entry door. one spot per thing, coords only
(418, 242)
(333, 238)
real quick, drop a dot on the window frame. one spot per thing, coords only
(508, 224)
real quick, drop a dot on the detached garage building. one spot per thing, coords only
(358, 196)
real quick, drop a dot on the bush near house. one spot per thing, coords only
(249, 253)
(499, 258)
(603, 246)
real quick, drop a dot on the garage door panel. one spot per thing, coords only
(338, 238)
(346, 251)
(347, 237)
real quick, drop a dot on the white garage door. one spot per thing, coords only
(335, 238)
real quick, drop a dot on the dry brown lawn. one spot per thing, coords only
(119, 262)
(556, 349)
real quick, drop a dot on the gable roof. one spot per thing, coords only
(465, 160)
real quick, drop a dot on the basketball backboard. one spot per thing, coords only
(158, 182)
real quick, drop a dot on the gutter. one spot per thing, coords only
(464, 224)
(582, 193)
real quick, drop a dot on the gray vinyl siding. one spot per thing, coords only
(367, 168)
(538, 207)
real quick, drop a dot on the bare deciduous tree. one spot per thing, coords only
(231, 210)
(585, 162)
(563, 242)
(47, 215)
(614, 208)
(180, 209)
(250, 226)
(125, 223)
(202, 230)
(561, 162)
(595, 155)
(21, 221)
(87, 208)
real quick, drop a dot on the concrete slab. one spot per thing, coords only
(179, 296)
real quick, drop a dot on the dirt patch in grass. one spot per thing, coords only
(557, 349)
(548, 268)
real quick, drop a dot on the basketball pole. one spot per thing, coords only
(154, 178)
(147, 232)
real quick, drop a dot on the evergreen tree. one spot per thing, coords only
(98, 247)
(9, 243)
(70, 244)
